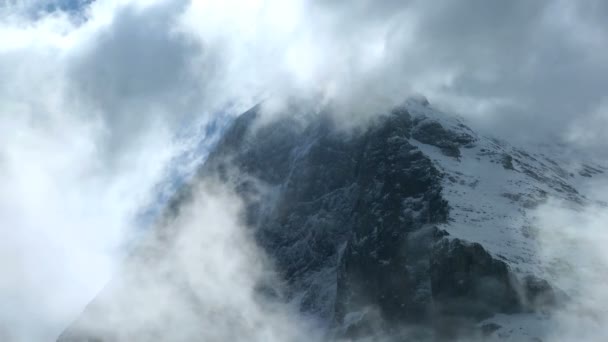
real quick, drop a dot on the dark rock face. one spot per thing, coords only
(489, 328)
(305, 213)
(507, 162)
(397, 286)
(359, 211)
(467, 281)
(350, 221)
(433, 133)
(364, 192)
(401, 193)
(539, 294)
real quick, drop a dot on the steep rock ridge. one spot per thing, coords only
(351, 220)
(493, 189)
(395, 224)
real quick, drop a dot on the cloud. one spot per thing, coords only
(94, 93)
(522, 70)
(197, 276)
(572, 251)
(75, 166)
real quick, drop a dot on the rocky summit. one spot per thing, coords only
(414, 225)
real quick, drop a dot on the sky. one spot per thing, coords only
(95, 97)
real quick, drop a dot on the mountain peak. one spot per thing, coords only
(415, 221)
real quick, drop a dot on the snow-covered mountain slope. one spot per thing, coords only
(494, 188)
(415, 224)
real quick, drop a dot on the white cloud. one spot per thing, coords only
(199, 281)
(90, 102)
(572, 248)
(72, 175)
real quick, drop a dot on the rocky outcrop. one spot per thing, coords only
(441, 284)
(354, 226)
(433, 133)
(466, 281)
(351, 220)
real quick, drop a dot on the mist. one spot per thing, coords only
(572, 248)
(196, 276)
(95, 97)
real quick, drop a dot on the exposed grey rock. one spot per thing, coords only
(539, 294)
(507, 162)
(467, 281)
(433, 133)
(351, 224)
(590, 171)
(489, 328)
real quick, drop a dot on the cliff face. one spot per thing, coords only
(363, 227)
(354, 230)
(345, 208)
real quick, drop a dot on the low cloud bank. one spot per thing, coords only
(572, 248)
(198, 275)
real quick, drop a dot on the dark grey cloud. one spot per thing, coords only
(137, 71)
(545, 62)
(137, 58)
(526, 70)
(520, 69)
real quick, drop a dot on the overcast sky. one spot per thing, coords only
(94, 93)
